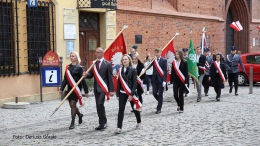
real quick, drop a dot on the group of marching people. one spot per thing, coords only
(132, 78)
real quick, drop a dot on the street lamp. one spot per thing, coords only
(61, 60)
(40, 66)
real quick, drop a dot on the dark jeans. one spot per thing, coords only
(148, 78)
(158, 88)
(178, 88)
(100, 99)
(233, 77)
(122, 102)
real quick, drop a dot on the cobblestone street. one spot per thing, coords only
(232, 121)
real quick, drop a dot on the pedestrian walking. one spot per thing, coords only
(218, 75)
(103, 85)
(179, 79)
(208, 63)
(73, 73)
(201, 60)
(149, 73)
(231, 62)
(127, 80)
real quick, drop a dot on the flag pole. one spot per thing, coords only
(176, 34)
(195, 53)
(203, 38)
(125, 26)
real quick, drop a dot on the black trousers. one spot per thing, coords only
(157, 87)
(100, 99)
(178, 89)
(233, 77)
(218, 90)
(205, 83)
(139, 93)
(122, 102)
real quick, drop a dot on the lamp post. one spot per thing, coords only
(61, 60)
(40, 65)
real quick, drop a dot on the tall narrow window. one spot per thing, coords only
(9, 51)
(40, 33)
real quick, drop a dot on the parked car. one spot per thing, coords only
(249, 60)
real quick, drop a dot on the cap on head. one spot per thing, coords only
(206, 49)
(233, 48)
(184, 49)
(135, 47)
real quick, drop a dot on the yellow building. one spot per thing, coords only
(27, 33)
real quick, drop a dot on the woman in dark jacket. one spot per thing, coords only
(217, 80)
(128, 74)
(139, 66)
(177, 80)
(76, 72)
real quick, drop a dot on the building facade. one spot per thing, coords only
(158, 21)
(28, 33)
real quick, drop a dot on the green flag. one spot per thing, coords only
(192, 64)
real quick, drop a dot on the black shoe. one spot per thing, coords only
(80, 118)
(185, 94)
(198, 100)
(72, 126)
(218, 99)
(206, 94)
(158, 112)
(181, 112)
(132, 111)
(230, 90)
(101, 126)
(236, 94)
(178, 109)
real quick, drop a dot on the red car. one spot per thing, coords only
(249, 60)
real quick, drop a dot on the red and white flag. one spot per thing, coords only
(114, 54)
(237, 26)
(169, 54)
(258, 27)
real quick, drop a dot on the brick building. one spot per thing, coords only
(158, 20)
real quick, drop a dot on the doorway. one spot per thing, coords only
(89, 37)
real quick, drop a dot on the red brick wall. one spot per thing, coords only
(255, 9)
(157, 30)
(203, 7)
(136, 3)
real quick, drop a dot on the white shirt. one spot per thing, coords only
(134, 65)
(150, 70)
(197, 58)
(178, 64)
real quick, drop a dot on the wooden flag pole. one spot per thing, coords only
(125, 26)
(155, 57)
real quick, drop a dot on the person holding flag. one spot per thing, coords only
(208, 63)
(72, 75)
(126, 86)
(179, 79)
(159, 77)
(103, 85)
(217, 75)
(201, 60)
